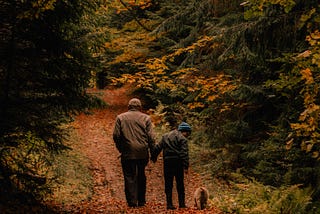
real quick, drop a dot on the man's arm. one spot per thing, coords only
(117, 134)
(156, 150)
(150, 134)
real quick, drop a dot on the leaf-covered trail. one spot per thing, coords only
(95, 134)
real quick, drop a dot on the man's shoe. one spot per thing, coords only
(183, 206)
(132, 205)
(171, 207)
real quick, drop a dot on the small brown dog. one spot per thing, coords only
(201, 196)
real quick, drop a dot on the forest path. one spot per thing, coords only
(95, 134)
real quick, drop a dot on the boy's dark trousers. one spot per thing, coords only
(173, 168)
(135, 181)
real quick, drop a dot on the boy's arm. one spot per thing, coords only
(156, 150)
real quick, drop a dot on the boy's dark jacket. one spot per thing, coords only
(174, 145)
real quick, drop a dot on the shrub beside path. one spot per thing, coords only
(95, 136)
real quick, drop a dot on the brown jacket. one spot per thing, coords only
(133, 134)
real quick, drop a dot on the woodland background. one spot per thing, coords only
(245, 74)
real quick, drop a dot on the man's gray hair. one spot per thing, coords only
(134, 103)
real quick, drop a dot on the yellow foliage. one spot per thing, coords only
(196, 105)
(130, 4)
(156, 64)
(308, 63)
(212, 97)
(213, 88)
(166, 85)
(289, 144)
(158, 75)
(133, 47)
(309, 147)
(38, 7)
(304, 54)
(314, 41)
(201, 42)
(226, 107)
(307, 75)
(315, 154)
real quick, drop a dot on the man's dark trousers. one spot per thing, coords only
(135, 181)
(173, 168)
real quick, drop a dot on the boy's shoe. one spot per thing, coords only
(141, 204)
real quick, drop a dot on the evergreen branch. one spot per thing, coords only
(134, 16)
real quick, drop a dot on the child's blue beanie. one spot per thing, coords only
(184, 127)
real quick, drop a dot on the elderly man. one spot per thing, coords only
(133, 136)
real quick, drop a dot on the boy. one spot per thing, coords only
(175, 161)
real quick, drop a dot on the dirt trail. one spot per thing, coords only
(95, 132)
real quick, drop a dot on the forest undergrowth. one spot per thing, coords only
(87, 178)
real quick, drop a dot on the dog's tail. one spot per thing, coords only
(203, 198)
(203, 192)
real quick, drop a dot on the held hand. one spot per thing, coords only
(153, 159)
